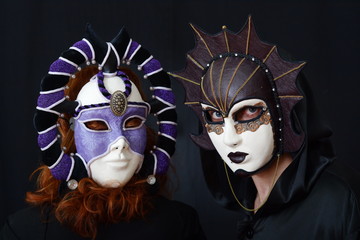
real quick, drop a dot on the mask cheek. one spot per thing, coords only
(218, 142)
(88, 144)
(260, 148)
(258, 144)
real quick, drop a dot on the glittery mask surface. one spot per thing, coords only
(91, 144)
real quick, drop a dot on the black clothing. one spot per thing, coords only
(168, 220)
(329, 211)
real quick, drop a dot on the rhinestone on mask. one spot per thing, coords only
(72, 184)
(151, 179)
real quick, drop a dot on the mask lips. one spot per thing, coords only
(237, 157)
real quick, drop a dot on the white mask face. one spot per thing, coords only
(112, 149)
(245, 138)
(117, 167)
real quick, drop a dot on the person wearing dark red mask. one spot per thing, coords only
(264, 151)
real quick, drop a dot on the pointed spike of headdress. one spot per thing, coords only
(100, 47)
(202, 48)
(250, 31)
(122, 36)
(224, 31)
(120, 43)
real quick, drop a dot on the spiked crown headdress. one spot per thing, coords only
(229, 67)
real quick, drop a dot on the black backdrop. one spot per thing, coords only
(34, 33)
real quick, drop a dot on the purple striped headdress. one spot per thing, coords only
(52, 102)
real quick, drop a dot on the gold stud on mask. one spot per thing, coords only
(118, 103)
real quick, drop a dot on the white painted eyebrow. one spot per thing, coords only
(203, 105)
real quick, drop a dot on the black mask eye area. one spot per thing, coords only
(213, 116)
(248, 113)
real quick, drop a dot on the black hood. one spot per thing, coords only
(309, 161)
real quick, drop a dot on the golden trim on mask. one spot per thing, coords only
(248, 37)
(216, 128)
(226, 39)
(290, 71)
(222, 106)
(195, 62)
(186, 79)
(244, 84)
(252, 126)
(231, 80)
(203, 91)
(212, 85)
(202, 39)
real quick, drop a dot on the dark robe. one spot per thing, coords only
(314, 198)
(168, 220)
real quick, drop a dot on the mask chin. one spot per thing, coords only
(243, 173)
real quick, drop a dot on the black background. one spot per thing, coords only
(34, 33)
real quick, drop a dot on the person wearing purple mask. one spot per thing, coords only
(104, 169)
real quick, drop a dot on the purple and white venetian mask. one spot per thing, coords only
(112, 145)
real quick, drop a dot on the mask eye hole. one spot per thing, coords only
(213, 116)
(133, 122)
(96, 125)
(248, 113)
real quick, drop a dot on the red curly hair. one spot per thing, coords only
(90, 204)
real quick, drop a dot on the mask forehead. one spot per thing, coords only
(232, 79)
(91, 92)
(106, 114)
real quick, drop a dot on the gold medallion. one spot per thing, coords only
(118, 103)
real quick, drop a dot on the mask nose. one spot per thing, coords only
(120, 144)
(231, 138)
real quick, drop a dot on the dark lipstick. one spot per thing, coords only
(237, 157)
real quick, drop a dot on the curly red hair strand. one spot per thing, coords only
(90, 204)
